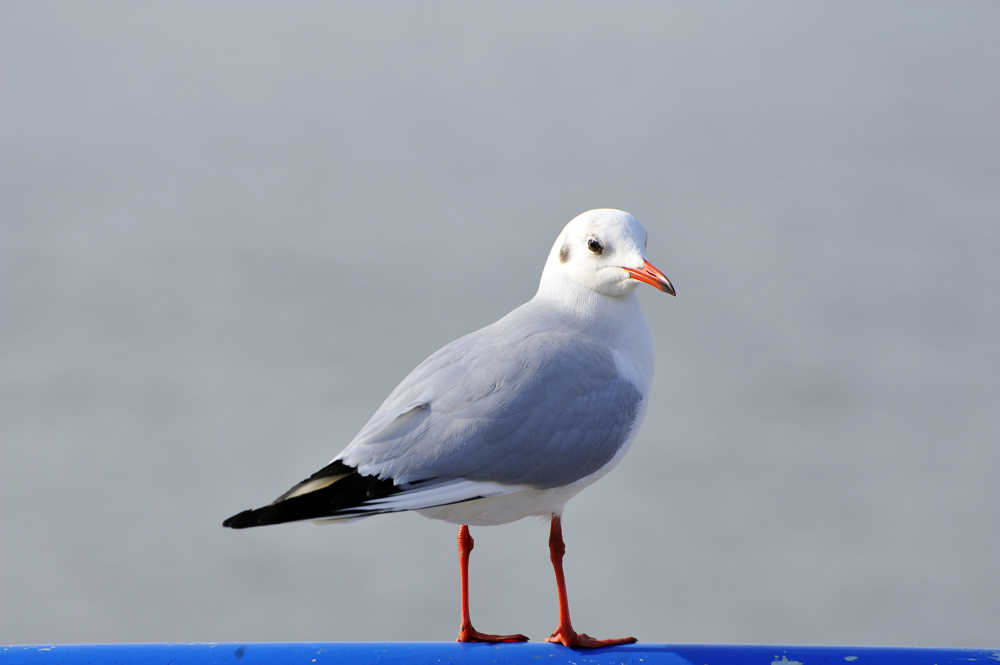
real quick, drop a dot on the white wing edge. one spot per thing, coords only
(440, 494)
(427, 496)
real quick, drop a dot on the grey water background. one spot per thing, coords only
(229, 229)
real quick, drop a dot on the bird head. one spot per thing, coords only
(603, 251)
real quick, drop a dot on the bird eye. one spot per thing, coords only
(594, 245)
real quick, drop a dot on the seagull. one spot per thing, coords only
(511, 420)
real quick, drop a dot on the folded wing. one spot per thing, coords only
(494, 412)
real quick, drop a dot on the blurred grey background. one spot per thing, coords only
(229, 230)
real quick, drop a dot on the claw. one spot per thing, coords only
(470, 634)
(574, 640)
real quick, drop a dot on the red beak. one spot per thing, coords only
(651, 275)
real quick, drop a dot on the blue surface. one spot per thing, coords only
(390, 653)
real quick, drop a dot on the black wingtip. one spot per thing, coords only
(336, 499)
(274, 513)
(242, 520)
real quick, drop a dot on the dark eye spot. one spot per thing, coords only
(564, 253)
(594, 245)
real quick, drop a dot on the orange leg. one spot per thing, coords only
(565, 634)
(467, 633)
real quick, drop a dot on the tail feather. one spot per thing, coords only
(334, 489)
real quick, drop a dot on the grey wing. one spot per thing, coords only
(543, 410)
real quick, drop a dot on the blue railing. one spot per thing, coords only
(443, 653)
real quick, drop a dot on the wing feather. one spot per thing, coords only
(538, 407)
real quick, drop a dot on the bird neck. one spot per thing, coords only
(605, 315)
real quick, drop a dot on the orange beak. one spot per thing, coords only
(651, 275)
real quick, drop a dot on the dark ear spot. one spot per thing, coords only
(564, 253)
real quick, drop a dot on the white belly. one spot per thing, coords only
(505, 507)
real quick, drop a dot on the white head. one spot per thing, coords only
(603, 251)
